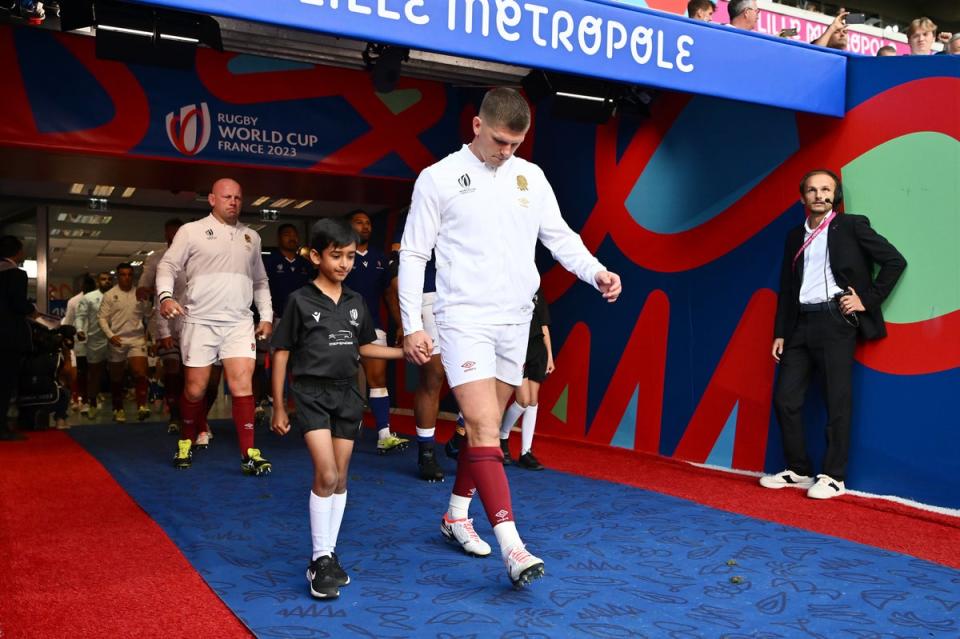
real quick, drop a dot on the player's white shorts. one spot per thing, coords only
(129, 347)
(97, 350)
(381, 337)
(203, 345)
(475, 352)
(429, 323)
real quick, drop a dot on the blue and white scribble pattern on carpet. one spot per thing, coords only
(620, 562)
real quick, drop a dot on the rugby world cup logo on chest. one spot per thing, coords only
(464, 182)
(189, 129)
(354, 315)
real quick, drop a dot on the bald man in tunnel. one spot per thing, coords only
(220, 257)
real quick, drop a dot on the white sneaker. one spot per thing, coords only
(203, 439)
(786, 479)
(462, 532)
(826, 487)
(522, 567)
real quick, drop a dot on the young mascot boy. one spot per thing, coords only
(326, 327)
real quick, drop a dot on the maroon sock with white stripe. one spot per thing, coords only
(486, 468)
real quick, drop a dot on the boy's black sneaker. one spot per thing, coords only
(429, 468)
(323, 583)
(451, 449)
(454, 444)
(528, 461)
(505, 447)
(343, 579)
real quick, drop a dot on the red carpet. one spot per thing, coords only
(80, 559)
(873, 522)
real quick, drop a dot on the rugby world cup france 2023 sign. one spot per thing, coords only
(598, 38)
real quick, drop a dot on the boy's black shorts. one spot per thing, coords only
(535, 368)
(328, 404)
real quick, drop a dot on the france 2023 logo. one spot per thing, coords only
(189, 131)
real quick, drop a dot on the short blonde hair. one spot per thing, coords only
(921, 24)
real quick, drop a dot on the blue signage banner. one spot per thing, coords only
(610, 41)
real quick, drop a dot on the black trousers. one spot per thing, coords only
(824, 341)
(9, 380)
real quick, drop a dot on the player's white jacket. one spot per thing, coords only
(484, 225)
(87, 322)
(160, 327)
(223, 269)
(121, 314)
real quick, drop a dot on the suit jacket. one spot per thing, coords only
(14, 310)
(854, 248)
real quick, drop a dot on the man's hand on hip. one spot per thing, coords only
(417, 348)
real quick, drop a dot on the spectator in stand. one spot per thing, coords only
(743, 14)
(886, 50)
(701, 10)
(951, 43)
(835, 37)
(920, 35)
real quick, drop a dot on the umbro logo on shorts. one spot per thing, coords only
(468, 366)
(253, 346)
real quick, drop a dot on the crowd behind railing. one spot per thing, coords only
(922, 33)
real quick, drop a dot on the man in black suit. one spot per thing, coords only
(828, 296)
(14, 311)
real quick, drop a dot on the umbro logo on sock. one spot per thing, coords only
(501, 515)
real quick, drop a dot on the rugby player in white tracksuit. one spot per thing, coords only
(221, 260)
(94, 341)
(482, 211)
(121, 318)
(166, 334)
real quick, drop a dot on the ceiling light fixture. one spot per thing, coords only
(260, 200)
(76, 189)
(302, 204)
(129, 191)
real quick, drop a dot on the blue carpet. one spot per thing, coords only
(621, 562)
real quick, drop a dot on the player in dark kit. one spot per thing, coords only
(325, 329)
(370, 279)
(538, 365)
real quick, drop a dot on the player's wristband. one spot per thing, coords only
(163, 297)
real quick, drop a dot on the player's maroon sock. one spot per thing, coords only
(116, 392)
(140, 391)
(243, 410)
(486, 468)
(191, 413)
(464, 485)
